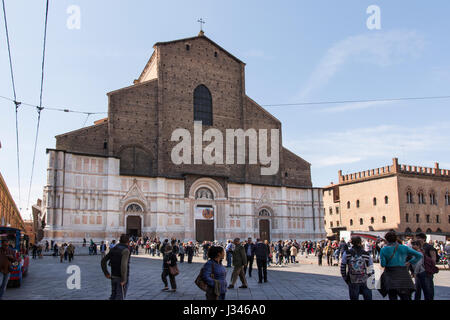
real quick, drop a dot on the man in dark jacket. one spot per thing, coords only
(239, 261)
(250, 248)
(261, 252)
(190, 251)
(120, 268)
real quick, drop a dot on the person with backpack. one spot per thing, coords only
(396, 280)
(355, 266)
(214, 274)
(119, 257)
(430, 258)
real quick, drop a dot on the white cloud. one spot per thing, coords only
(384, 141)
(380, 48)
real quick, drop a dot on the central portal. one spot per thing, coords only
(204, 223)
(264, 230)
(204, 230)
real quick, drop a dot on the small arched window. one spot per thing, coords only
(372, 220)
(351, 222)
(383, 219)
(348, 204)
(386, 200)
(361, 221)
(419, 230)
(421, 197)
(408, 231)
(429, 231)
(357, 203)
(203, 105)
(374, 201)
(447, 199)
(409, 197)
(433, 198)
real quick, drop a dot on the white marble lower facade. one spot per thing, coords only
(86, 197)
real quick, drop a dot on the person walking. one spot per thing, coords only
(190, 251)
(229, 253)
(417, 269)
(329, 253)
(319, 251)
(279, 253)
(269, 251)
(6, 259)
(262, 253)
(239, 261)
(396, 280)
(250, 248)
(119, 257)
(356, 268)
(70, 251)
(169, 260)
(214, 274)
(430, 257)
(103, 249)
(286, 253)
(294, 252)
(181, 252)
(61, 252)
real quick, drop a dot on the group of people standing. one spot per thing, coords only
(401, 262)
(417, 259)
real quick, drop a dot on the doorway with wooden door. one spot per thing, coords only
(264, 229)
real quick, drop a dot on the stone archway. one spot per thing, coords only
(133, 219)
(206, 197)
(264, 223)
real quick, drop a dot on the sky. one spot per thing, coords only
(295, 51)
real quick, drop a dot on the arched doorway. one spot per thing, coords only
(134, 220)
(134, 226)
(204, 215)
(264, 225)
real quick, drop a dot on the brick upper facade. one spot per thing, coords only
(142, 117)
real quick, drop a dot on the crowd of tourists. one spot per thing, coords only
(409, 265)
(402, 261)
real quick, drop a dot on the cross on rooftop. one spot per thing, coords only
(201, 23)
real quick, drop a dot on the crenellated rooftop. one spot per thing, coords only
(393, 169)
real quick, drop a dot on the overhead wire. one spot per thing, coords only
(39, 108)
(16, 103)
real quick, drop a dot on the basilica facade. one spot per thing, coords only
(120, 176)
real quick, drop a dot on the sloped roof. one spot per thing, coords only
(200, 36)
